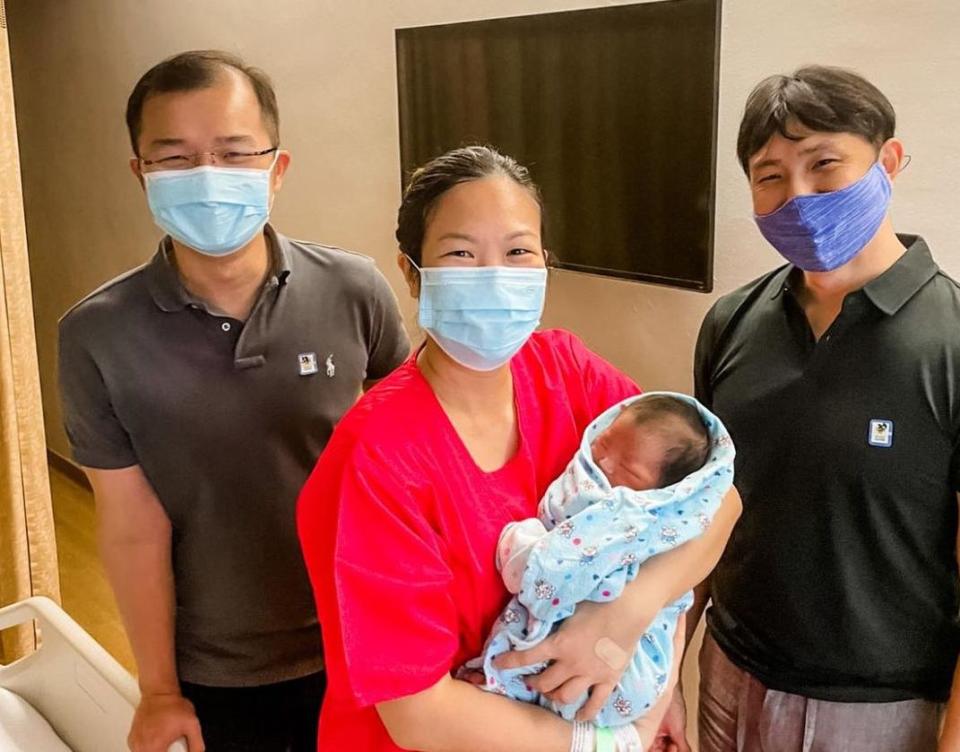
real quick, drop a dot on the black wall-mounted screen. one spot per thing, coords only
(614, 110)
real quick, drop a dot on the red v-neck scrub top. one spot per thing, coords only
(399, 527)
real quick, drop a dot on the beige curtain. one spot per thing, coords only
(28, 554)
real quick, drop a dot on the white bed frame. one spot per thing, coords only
(85, 695)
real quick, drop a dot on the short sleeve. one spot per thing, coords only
(604, 383)
(703, 359)
(388, 345)
(97, 438)
(381, 577)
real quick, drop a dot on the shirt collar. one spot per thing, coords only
(168, 291)
(781, 280)
(891, 290)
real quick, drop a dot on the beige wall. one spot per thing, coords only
(333, 65)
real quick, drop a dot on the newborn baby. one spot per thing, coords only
(653, 443)
(649, 476)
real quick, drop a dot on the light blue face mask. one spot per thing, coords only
(481, 316)
(214, 210)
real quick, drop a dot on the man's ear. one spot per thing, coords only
(410, 274)
(137, 171)
(892, 158)
(280, 169)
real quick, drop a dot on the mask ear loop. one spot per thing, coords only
(909, 159)
(413, 263)
(416, 266)
(273, 195)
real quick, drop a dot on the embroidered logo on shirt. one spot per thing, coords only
(308, 363)
(881, 433)
(331, 368)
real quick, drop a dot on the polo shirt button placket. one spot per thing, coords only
(225, 326)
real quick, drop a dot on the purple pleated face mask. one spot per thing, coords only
(821, 232)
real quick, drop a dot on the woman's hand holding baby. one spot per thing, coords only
(588, 653)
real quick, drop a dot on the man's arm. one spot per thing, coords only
(387, 342)
(950, 739)
(134, 538)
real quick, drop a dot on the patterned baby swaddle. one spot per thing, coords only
(598, 537)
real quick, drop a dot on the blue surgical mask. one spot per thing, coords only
(214, 210)
(821, 232)
(481, 316)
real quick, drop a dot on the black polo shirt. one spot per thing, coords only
(227, 418)
(840, 579)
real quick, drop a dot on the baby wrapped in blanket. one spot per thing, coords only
(649, 475)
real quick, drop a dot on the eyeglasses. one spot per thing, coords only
(227, 158)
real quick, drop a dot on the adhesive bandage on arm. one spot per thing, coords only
(610, 653)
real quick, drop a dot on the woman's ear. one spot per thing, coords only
(410, 274)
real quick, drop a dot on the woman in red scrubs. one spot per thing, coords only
(400, 519)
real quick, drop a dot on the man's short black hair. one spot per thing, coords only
(199, 69)
(818, 97)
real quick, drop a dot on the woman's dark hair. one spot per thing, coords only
(833, 100)
(199, 69)
(429, 182)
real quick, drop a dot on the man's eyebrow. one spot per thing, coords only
(167, 142)
(234, 139)
(819, 146)
(765, 163)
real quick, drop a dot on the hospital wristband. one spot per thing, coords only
(605, 740)
(627, 738)
(583, 736)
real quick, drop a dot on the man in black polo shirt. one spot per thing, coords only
(834, 617)
(198, 391)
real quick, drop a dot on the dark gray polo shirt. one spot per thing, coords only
(226, 419)
(840, 579)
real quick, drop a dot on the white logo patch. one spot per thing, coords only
(308, 363)
(881, 433)
(331, 368)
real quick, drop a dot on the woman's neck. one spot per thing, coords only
(461, 389)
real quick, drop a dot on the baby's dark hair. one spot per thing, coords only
(689, 450)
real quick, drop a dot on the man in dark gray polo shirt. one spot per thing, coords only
(198, 391)
(834, 618)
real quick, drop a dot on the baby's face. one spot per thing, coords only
(630, 455)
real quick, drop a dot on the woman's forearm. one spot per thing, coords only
(454, 716)
(664, 578)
